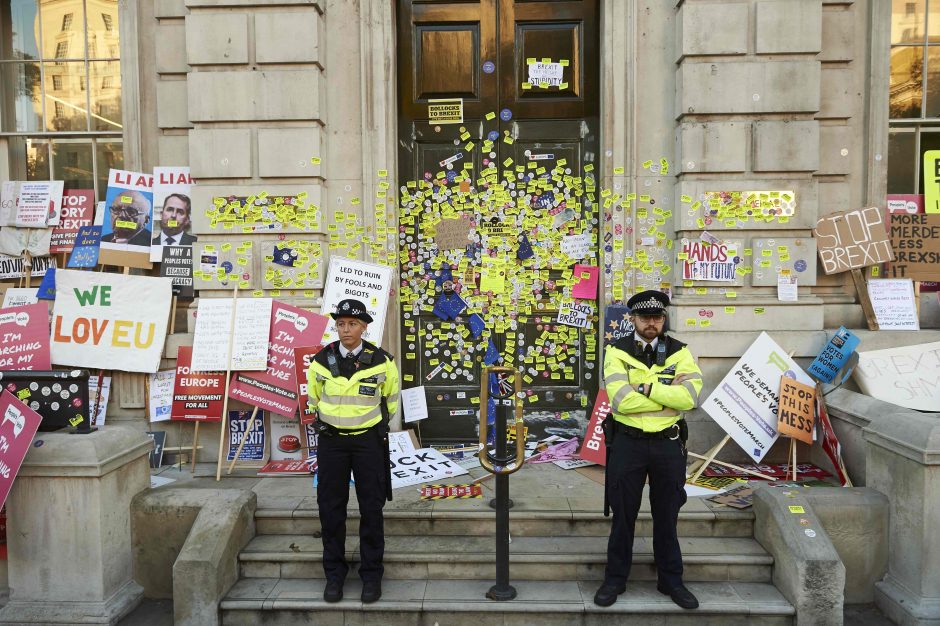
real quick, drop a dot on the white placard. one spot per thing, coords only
(160, 395)
(421, 466)
(251, 333)
(550, 73)
(907, 376)
(285, 438)
(576, 246)
(170, 181)
(577, 314)
(787, 288)
(745, 402)
(399, 443)
(893, 301)
(31, 204)
(98, 398)
(19, 296)
(110, 321)
(414, 404)
(366, 282)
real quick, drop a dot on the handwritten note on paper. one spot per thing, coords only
(161, 395)
(576, 246)
(251, 330)
(893, 301)
(414, 404)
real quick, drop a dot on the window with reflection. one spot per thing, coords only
(60, 90)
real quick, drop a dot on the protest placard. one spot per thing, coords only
(834, 355)
(252, 327)
(19, 296)
(85, 250)
(302, 359)
(931, 176)
(160, 395)
(24, 337)
(18, 426)
(31, 204)
(745, 402)
(916, 243)
(414, 404)
(159, 442)
(797, 409)
(576, 246)
(15, 266)
(172, 210)
(852, 239)
(99, 393)
(617, 323)
(577, 314)
(177, 265)
(197, 396)
(452, 234)
(275, 389)
(255, 448)
(285, 438)
(907, 376)
(593, 447)
(586, 277)
(894, 303)
(110, 321)
(421, 466)
(77, 211)
(125, 227)
(366, 282)
(701, 260)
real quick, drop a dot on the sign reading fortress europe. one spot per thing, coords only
(110, 321)
(365, 282)
(745, 402)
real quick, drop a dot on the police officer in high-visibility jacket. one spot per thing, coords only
(353, 385)
(650, 379)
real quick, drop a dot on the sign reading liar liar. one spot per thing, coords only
(366, 282)
(852, 239)
(745, 402)
(110, 321)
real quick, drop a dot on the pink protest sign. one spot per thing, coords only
(24, 338)
(18, 426)
(594, 449)
(586, 286)
(275, 389)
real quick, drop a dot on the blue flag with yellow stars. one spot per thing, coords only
(525, 248)
(477, 325)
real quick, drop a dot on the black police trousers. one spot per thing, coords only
(363, 454)
(631, 462)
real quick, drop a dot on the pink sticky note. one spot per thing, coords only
(586, 288)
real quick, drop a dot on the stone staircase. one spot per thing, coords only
(439, 563)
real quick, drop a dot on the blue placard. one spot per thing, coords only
(47, 286)
(834, 355)
(255, 443)
(85, 252)
(617, 323)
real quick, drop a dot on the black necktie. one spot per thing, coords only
(648, 353)
(169, 241)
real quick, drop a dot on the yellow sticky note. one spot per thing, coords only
(491, 115)
(796, 509)
(530, 61)
(315, 160)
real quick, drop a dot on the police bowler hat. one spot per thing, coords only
(352, 308)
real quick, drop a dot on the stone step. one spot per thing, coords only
(533, 558)
(282, 602)
(443, 521)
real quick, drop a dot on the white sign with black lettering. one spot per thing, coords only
(421, 466)
(576, 314)
(365, 282)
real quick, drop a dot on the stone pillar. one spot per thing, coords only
(69, 532)
(903, 462)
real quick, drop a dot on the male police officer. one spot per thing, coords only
(650, 378)
(353, 385)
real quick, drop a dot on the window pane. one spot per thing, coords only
(59, 42)
(901, 162)
(110, 155)
(19, 29)
(907, 65)
(907, 21)
(105, 84)
(29, 158)
(66, 109)
(928, 141)
(932, 97)
(103, 37)
(20, 96)
(71, 159)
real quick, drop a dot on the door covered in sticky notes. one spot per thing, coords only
(498, 114)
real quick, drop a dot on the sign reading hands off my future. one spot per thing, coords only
(852, 239)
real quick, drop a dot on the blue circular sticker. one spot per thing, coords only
(800, 266)
(505, 115)
(38, 443)
(489, 67)
(493, 135)
(227, 266)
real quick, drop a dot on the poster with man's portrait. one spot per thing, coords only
(172, 210)
(127, 216)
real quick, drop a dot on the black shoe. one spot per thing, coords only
(608, 593)
(680, 595)
(371, 591)
(333, 591)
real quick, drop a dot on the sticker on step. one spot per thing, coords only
(796, 509)
(810, 532)
(451, 492)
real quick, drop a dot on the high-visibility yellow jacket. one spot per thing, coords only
(355, 403)
(676, 384)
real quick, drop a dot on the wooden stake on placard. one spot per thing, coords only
(173, 315)
(862, 288)
(917, 297)
(228, 380)
(251, 422)
(179, 444)
(709, 456)
(732, 466)
(192, 469)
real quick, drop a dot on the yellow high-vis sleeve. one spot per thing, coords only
(624, 398)
(683, 393)
(391, 387)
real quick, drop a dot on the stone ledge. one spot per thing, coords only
(65, 455)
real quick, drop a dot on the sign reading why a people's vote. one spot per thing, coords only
(745, 402)
(110, 321)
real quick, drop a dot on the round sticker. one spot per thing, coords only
(489, 67)
(227, 266)
(800, 265)
(809, 532)
(505, 115)
(38, 443)
(493, 135)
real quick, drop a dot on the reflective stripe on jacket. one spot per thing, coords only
(676, 385)
(354, 403)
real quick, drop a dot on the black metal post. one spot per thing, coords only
(502, 590)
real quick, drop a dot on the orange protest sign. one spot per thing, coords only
(796, 410)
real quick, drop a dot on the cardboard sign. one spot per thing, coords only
(275, 389)
(160, 395)
(908, 376)
(177, 265)
(78, 207)
(796, 411)
(894, 303)
(916, 243)
(745, 402)
(172, 209)
(196, 395)
(852, 239)
(125, 227)
(85, 250)
(159, 442)
(452, 234)
(932, 181)
(445, 111)
(577, 314)
(421, 466)
(302, 358)
(593, 447)
(366, 282)
(252, 327)
(18, 426)
(834, 355)
(24, 338)
(255, 447)
(110, 321)
(19, 296)
(704, 261)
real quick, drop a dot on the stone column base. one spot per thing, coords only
(902, 607)
(111, 611)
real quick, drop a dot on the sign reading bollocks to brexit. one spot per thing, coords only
(745, 402)
(110, 321)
